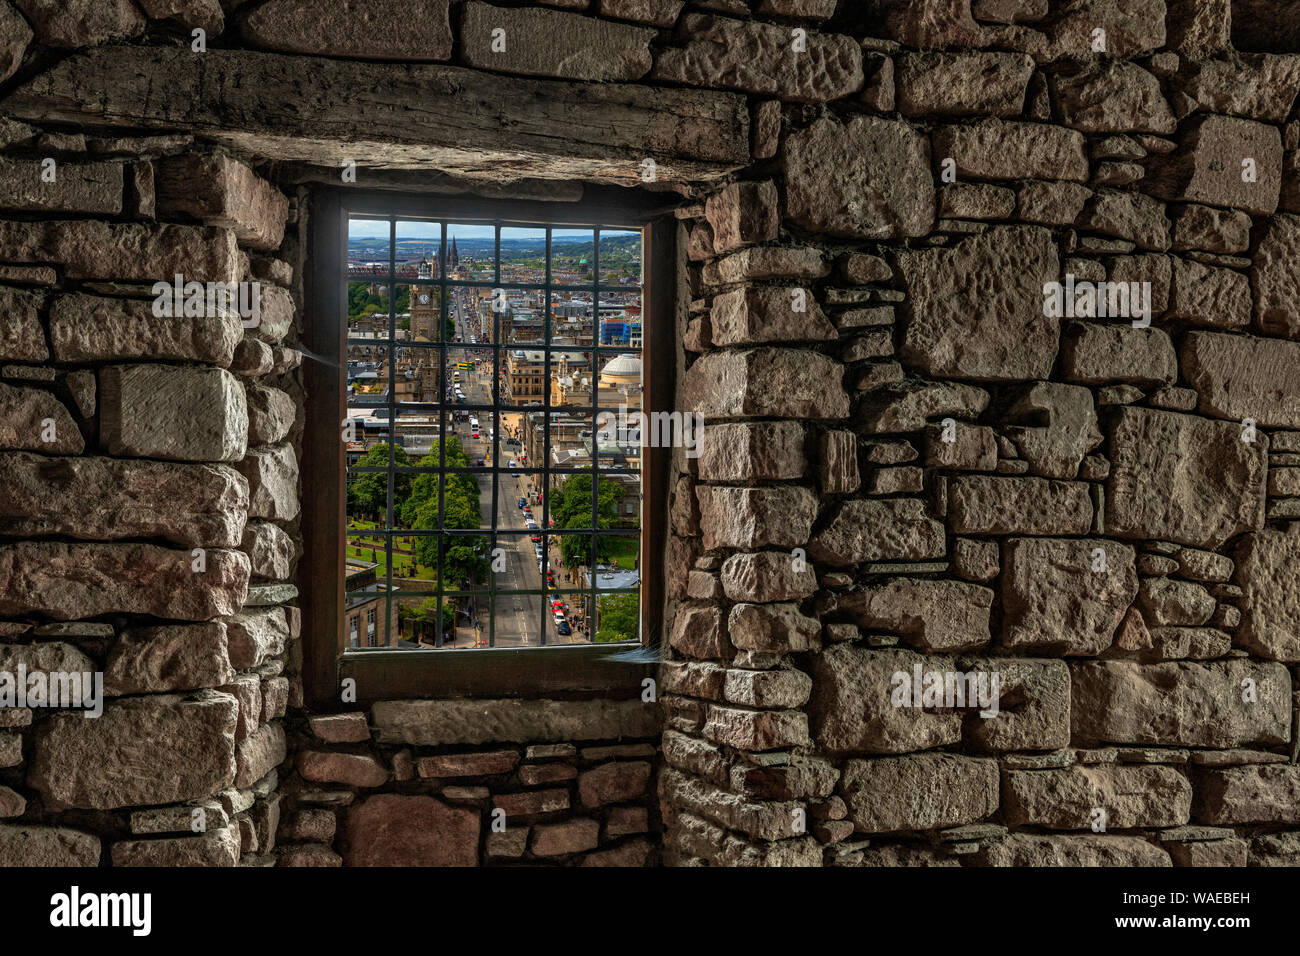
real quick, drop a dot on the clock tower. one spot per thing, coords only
(424, 307)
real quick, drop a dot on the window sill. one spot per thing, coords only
(576, 670)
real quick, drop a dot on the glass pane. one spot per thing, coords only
(620, 504)
(415, 621)
(617, 554)
(414, 559)
(567, 618)
(517, 619)
(571, 318)
(416, 253)
(514, 563)
(368, 309)
(620, 320)
(620, 258)
(524, 379)
(617, 617)
(471, 248)
(464, 320)
(420, 314)
(472, 308)
(520, 316)
(469, 377)
(572, 257)
(365, 615)
(367, 496)
(466, 562)
(570, 378)
(531, 430)
(567, 557)
(368, 252)
(571, 436)
(523, 256)
(367, 549)
(367, 357)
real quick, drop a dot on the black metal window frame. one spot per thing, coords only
(442, 349)
(510, 670)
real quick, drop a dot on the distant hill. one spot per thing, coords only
(616, 248)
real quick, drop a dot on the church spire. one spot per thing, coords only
(455, 259)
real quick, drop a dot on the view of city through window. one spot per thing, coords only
(493, 452)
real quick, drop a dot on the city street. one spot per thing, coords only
(517, 616)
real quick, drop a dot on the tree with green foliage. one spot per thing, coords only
(571, 509)
(618, 616)
(425, 609)
(368, 491)
(466, 557)
(362, 302)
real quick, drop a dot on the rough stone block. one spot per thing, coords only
(149, 660)
(1066, 799)
(755, 517)
(1179, 703)
(868, 178)
(87, 249)
(932, 615)
(87, 328)
(22, 845)
(997, 149)
(742, 214)
(851, 706)
(389, 829)
(975, 310)
(890, 529)
(272, 475)
(980, 504)
(187, 744)
(1181, 478)
(761, 58)
(1213, 154)
(382, 28)
(767, 314)
(172, 412)
(1060, 595)
(439, 722)
(918, 792)
(105, 498)
(1270, 606)
(963, 84)
(74, 581)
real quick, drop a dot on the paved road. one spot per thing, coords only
(518, 617)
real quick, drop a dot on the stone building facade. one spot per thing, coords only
(991, 308)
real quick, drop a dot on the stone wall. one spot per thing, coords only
(564, 781)
(911, 464)
(151, 487)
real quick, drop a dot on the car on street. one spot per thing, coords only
(562, 628)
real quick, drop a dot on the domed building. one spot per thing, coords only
(622, 373)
